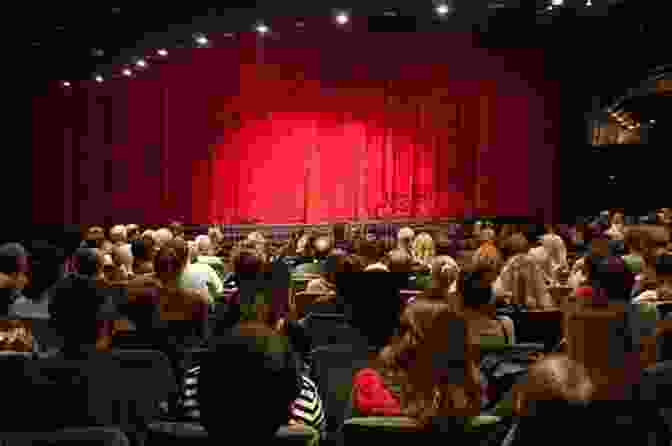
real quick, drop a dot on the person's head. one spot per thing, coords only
(162, 237)
(142, 249)
(423, 247)
(266, 379)
(177, 229)
(433, 356)
(555, 382)
(14, 264)
(322, 246)
(617, 218)
(305, 245)
(89, 262)
(339, 231)
(247, 259)
(171, 260)
(399, 261)
(487, 235)
(663, 267)
(475, 287)
(106, 246)
(445, 272)
(612, 278)
(204, 246)
(216, 236)
(82, 313)
(518, 244)
(132, 232)
(123, 262)
(94, 236)
(258, 238)
(118, 234)
(405, 237)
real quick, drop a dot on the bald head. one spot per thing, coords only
(322, 245)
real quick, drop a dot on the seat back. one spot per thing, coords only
(334, 369)
(104, 436)
(326, 329)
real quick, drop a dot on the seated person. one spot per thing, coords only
(326, 284)
(143, 255)
(488, 252)
(521, 280)
(407, 380)
(423, 249)
(205, 253)
(197, 274)
(663, 274)
(445, 272)
(264, 381)
(478, 305)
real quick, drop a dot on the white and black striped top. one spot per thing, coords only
(307, 408)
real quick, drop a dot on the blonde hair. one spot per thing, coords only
(406, 234)
(423, 248)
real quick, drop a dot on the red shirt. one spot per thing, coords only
(371, 396)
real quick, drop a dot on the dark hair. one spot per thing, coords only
(141, 248)
(266, 382)
(339, 231)
(171, 258)
(637, 240)
(611, 275)
(87, 261)
(75, 308)
(474, 285)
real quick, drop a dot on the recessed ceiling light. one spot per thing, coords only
(162, 52)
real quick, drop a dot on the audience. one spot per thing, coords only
(95, 295)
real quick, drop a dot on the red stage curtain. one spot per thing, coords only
(295, 129)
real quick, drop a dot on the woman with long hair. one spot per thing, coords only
(429, 371)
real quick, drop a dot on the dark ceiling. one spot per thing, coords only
(608, 47)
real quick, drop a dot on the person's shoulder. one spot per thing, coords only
(646, 296)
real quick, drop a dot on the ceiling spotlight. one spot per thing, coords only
(589, 3)
(652, 121)
(442, 9)
(342, 18)
(557, 2)
(162, 52)
(202, 40)
(262, 29)
(126, 72)
(141, 63)
(99, 78)
(612, 178)
(66, 84)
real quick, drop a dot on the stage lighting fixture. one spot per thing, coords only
(652, 121)
(99, 78)
(127, 72)
(442, 9)
(202, 40)
(589, 3)
(557, 2)
(162, 52)
(262, 29)
(141, 63)
(342, 18)
(66, 84)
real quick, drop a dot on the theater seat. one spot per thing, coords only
(104, 436)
